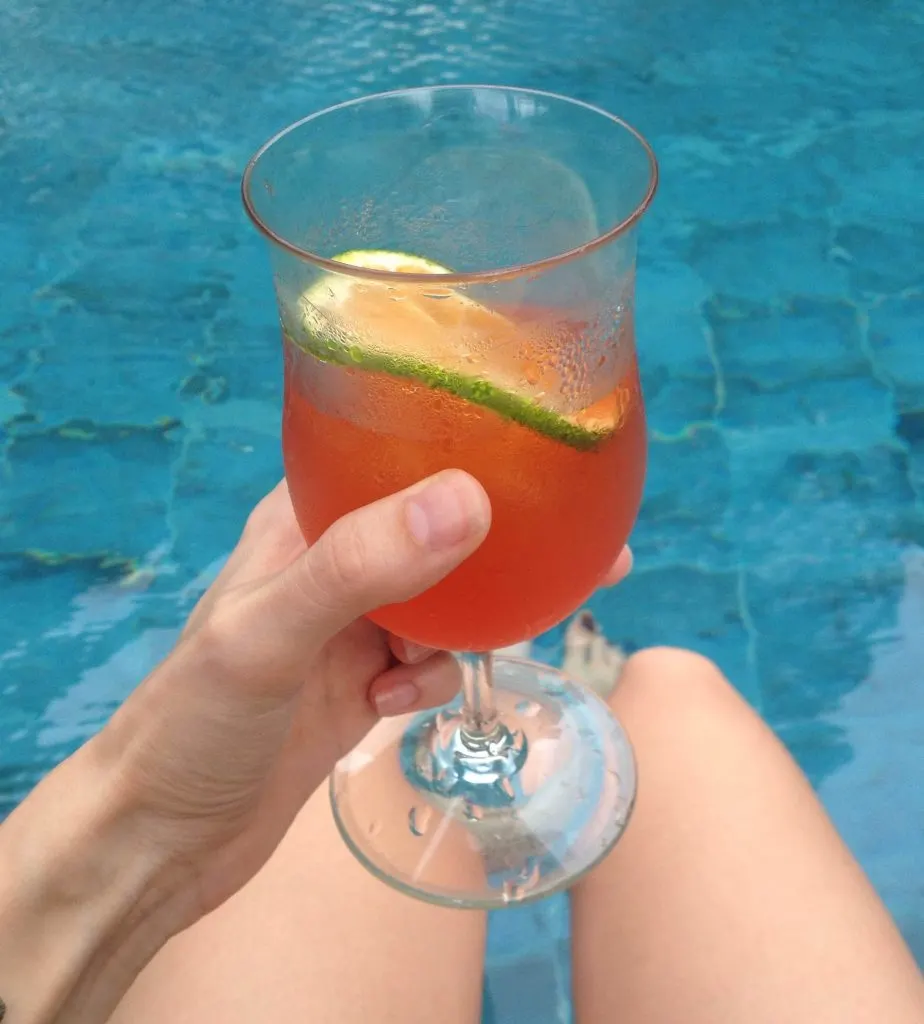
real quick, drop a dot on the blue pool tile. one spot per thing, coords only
(909, 428)
(787, 344)
(64, 620)
(852, 510)
(813, 619)
(855, 412)
(676, 403)
(896, 341)
(241, 361)
(535, 929)
(717, 187)
(883, 258)
(535, 989)
(108, 368)
(874, 160)
(21, 339)
(820, 747)
(128, 649)
(86, 490)
(669, 321)
(223, 473)
(687, 494)
(876, 800)
(688, 607)
(795, 260)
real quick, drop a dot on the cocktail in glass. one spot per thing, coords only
(454, 269)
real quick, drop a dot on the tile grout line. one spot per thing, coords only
(751, 632)
(720, 391)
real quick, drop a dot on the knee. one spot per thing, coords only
(672, 681)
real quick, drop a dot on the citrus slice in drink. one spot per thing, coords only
(444, 339)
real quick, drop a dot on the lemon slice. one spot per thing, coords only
(441, 338)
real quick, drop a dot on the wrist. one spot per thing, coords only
(85, 900)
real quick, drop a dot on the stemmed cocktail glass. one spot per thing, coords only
(454, 269)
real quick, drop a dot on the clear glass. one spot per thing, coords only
(510, 354)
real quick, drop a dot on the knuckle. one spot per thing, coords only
(267, 513)
(258, 521)
(213, 639)
(344, 562)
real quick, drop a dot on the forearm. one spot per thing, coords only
(85, 902)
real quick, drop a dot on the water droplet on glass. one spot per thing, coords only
(511, 891)
(532, 371)
(445, 294)
(472, 811)
(418, 820)
(530, 874)
(373, 828)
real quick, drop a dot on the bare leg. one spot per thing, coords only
(731, 898)
(316, 938)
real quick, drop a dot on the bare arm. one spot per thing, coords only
(85, 900)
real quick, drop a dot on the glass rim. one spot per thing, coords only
(472, 277)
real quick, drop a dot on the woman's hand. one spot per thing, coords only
(277, 675)
(187, 791)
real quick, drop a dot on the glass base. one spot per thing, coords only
(490, 821)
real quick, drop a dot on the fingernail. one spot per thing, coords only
(414, 653)
(446, 512)
(396, 699)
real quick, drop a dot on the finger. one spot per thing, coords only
(415, 687)
(620, 569)
(382, 554)
(390, 551)
(409, 652)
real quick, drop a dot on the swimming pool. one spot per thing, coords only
(781, 303)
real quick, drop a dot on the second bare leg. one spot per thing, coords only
(731, 899)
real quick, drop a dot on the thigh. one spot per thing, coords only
(731, 899)
(315, 938)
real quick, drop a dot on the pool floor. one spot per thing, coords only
(780, 312)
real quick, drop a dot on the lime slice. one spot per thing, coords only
(441, 338)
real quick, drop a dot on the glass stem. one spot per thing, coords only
(479, 716)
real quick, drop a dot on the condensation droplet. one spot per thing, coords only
(373, 828)
(418, 820)
(530, 874)
(510, 891)
(472, 811)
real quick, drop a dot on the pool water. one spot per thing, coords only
(781, 303)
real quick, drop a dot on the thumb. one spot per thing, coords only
(381, 554)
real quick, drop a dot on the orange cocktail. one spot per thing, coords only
(560, 513)
(455, 275)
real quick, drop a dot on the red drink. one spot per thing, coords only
(560, 514)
